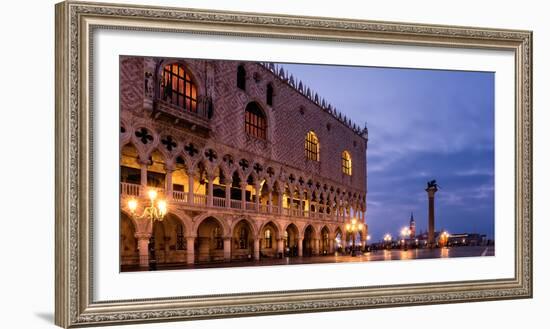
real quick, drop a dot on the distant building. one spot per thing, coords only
(412, 227)
(467, 239)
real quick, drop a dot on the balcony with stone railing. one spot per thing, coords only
(197, 116)
(194, 200)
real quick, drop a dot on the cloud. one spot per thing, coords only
(476, 172)
(423, 124)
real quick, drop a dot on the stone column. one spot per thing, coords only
(228, 184)
(343, 241)
(270, 201)
(257, 248)
(316, 246)
(280, 246)
(243, 195)
(143, 177)
(300, 201)
(281, 196)
(227, 249)
(210, 196)
(331, 245)
(291, 200)
(143, 249)
(191, 250)
(258, 195)
(191, 183)
(300, 247)
(346, 213)
(431, 215)
(338, 210)
(168, 179)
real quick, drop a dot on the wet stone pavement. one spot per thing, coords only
(379, 255)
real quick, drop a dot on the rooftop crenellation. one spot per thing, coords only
(313, 96)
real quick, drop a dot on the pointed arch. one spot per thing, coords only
(243, 235)
(274, 225)
(202, 217)
(291, 239)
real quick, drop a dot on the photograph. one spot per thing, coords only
(227, 163)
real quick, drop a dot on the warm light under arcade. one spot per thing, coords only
(162, 207)
(152, 194)
(132, 205)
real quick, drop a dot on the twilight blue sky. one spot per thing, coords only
(423, 125)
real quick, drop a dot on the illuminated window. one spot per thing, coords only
(241, 77)
(346, 163)
(255, 122)
(269, 95)
(268, 239)
(178, 88)
(312, 146)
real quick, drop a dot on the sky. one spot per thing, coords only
(423, 125)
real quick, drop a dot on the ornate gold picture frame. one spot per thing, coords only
(76, 22)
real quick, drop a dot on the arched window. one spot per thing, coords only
(255, 122)
(268, 239)
(312, 146)
(269, 95)
(346, 163)
(177, 87)
(241, 77)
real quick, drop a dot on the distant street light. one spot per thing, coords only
(405, 232)
(444, 239)
(387, 240)
(353, 227)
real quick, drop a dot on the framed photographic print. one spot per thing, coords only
(218, 164)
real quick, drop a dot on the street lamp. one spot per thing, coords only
(387, 240)
(353, 227)
(444, 238)
(405, 232)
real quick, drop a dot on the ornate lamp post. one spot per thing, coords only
(353, 227)
(155, 211)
